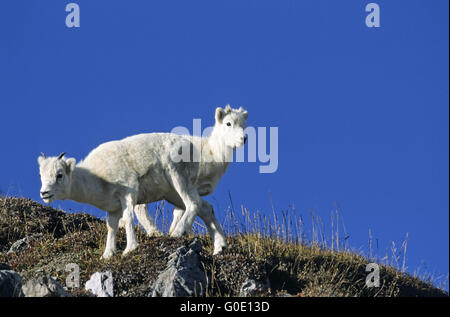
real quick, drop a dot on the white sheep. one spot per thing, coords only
(121, 177)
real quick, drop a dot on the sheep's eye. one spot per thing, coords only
(229, 124)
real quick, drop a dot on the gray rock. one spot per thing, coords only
(23, 243)
(101, 284)
(44, 286)
(4, 266)
(10, 284)
(254, 288)
(183, 276)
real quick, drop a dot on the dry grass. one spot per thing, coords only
(261, 248)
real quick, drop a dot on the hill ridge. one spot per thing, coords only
(54, 238)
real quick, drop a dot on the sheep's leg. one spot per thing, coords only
(215, 229)
(192, 204)
(112, 223)
(128, 204)
(191, 200)
(206, 213)
(145, 220)
(177, 214)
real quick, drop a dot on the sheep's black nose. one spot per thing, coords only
(245, 139)
(44, 193)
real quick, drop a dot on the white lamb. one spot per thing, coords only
(121, 177)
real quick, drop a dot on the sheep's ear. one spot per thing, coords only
(245, 114)
(70, 165)
(40, 159)
(220, 113)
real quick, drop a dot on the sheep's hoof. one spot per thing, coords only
(107, 255)
(219, 249)
(176, 234)
(129, 249)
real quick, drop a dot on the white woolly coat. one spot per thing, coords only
(142, 162)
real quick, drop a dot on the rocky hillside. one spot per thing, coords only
(47, 252)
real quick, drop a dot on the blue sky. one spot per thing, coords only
(362, 113)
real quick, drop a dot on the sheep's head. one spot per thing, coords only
(56, 174)
(230, 125)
